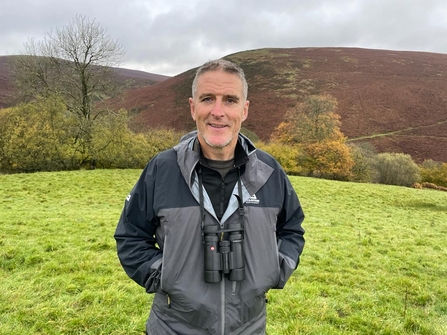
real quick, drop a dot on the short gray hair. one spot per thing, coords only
(223, 65)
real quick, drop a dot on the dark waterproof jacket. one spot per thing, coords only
(159, 243)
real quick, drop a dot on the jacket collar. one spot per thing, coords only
(188, 153)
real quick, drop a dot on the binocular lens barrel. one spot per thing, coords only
(223, 257)
(236, 255)
(212, 255)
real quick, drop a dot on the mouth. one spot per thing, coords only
(217, 126)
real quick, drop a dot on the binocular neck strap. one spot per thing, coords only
(239, 199)
(202, 206)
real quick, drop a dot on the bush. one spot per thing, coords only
(362, 157)
(42, 136)
(161, 139)
(134, 150)
(395, 169)
(286, 155)
(36, 137)
(117, 147)
(434, 172)
(329, 160)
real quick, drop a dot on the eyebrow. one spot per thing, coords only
(204, 95)
(234, 97)
(225, 96)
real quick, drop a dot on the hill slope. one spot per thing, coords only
(395, 100)
(128, 78)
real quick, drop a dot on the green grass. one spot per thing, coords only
(374, 262)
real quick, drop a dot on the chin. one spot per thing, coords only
(217, 143)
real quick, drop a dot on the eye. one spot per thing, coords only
(206, 99)
(232, 100)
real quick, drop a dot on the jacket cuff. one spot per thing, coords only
(286, 267)
(153, 282)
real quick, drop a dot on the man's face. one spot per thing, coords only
(218, 109)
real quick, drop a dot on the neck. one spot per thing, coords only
(217, 154)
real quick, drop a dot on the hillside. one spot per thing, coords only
(128, 78)
(6, 87)
(393, 99)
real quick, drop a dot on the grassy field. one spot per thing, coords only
(375, 261)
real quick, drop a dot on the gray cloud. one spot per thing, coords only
(172, 37)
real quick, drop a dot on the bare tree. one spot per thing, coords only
(75, 63)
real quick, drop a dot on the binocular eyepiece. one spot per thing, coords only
(224, 257)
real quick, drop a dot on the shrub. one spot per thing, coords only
(119, 151)
(395, 169)
(129, 150)
(36, 137)
(161, 139)
(329, 160)
(286, 155)
(362, 156)
(434, 172)
(42, 136)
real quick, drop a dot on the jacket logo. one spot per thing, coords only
(253, 200)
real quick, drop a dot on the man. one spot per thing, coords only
(212, 224)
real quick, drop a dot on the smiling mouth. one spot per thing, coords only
(219, 126)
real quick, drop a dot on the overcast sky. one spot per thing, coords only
(171, 36)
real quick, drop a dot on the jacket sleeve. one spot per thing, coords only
(289, 233)
(135, 234)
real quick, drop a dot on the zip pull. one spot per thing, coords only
(233, 287)
(169, 300)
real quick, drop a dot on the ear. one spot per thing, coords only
(192, 108)
(245, 113)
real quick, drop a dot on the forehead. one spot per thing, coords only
(219, 82)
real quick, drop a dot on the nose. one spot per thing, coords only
(217, 110)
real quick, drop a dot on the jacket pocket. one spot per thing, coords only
(171, 319)
(192, 301)
(261, 251)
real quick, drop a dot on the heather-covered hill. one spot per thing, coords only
(393, 99)
(126, 77)
(6, 87)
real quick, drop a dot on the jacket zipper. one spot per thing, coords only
(168, 298)
(222, 290)
(222, 286)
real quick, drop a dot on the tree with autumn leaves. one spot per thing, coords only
(312, 128)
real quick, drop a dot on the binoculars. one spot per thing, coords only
(223, 257)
